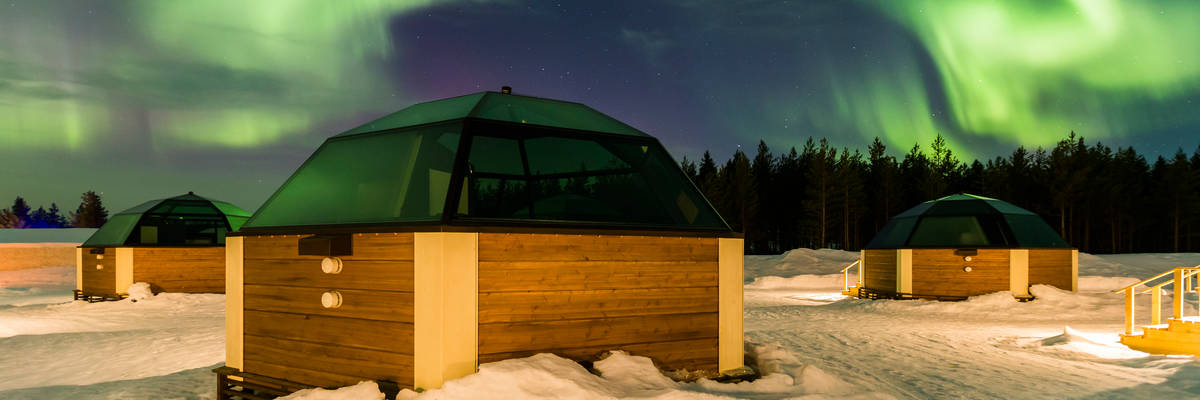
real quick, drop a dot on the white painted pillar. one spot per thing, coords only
(904, 271)
(124, 269)
(446, 310)
(729, 291)
(78, 268)
(234, 300)
(1018, 272)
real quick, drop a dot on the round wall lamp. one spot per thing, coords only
(331, 265)
(331, 299)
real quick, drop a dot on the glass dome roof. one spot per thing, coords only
(490, 159)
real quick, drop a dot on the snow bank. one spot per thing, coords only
(618, 376)
(830, 282)
(1106, 346)
(80, 343)
(361, 391)
(139, 291)
(15, 256)
(1139, 266)
(64, 235)
(36, 286)
(799, 262)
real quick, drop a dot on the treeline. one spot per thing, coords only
(89, 214)
(1100, 199)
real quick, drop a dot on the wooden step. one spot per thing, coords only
(1172, 336)
(1186, 326)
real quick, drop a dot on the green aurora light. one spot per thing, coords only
(1032, 70)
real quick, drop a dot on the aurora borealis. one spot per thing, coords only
(143, 99)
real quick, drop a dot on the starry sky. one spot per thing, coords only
(147, 99)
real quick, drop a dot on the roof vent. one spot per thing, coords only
(506, 89)
(190, 192)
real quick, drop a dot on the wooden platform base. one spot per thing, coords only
(233, 384)
(79, 295)
(872, 294)
(1178, 337)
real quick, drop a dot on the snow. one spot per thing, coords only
(139, 291)
(74, 236)
(51, 347)
(807, 340)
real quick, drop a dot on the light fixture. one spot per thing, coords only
(331, 265)
(967, 269)
(331, 299)
(967, 258)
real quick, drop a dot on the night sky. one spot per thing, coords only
(146, 99)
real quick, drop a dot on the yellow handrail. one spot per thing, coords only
(846, 275)
(1159, 286)
(1143, 282)
(1180, 280)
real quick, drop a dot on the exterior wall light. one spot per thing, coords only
(331, 299)
(331, 265)
(967, 258)
(967, 269)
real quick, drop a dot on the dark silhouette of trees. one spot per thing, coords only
(90, 214)
(1101, 200)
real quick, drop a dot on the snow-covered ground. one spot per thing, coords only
(810, 342)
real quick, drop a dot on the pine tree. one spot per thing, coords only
(7, 219)
(762, 171)
(884, 190)
(54, 219)
(90, 213)
(819, 199)
(37, 219)
(20, 213)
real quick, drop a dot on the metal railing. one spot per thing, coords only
(1182, 280)
(846, 277)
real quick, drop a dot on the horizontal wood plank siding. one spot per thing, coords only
(581, 295)
(1050, 267)
(103, 281)
(939, 272)
(180, 269)
(290, 335)
(879, 268)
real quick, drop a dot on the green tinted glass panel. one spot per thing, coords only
(141, 208)
(555, 155)
(601, 180)
(393, 177)
(236, 223)
(115, 231)
(894, 234)
(1032, 231)
(959, 207)
(230, 210)
(561, 114)
(915, 211)
(176, 230)
(423, 113)
(957, 231)
(1008, 208)
(496, 156)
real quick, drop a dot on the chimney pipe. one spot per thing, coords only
(506, 89)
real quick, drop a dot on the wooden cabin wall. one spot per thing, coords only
(289, 335)
(1050, 267)
(940, 272)
(580, 295)
(100, 282)
(879, 268)
(180, 269)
